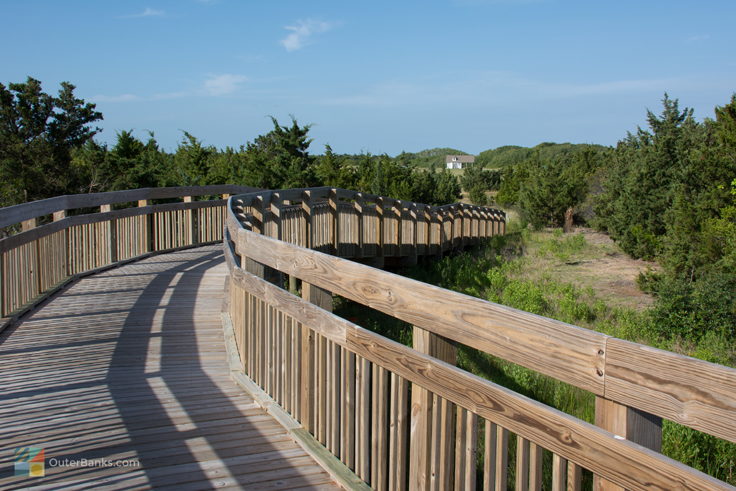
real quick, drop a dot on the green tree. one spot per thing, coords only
(38, 133)
(334, 170)
(280, 158)
(645, 170)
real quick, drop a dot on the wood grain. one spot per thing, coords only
(566, 352)
(620, 461)
(691, 392)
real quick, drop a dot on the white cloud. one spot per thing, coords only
(148, 12)
(213, 86)
(223, 84)
(697, 38)
(302, 32)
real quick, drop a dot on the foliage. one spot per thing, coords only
(477, 181)
(544, 189)
(497, 274)
(38, 133)
(280, 158)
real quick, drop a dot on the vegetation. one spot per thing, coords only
(47, 149)
(505, 272)
(665, 193)
(38, 132)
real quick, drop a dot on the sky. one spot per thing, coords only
(378, 76)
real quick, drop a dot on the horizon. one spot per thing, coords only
(382, 78)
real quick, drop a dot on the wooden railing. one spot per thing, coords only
(55, 245)
(402, 417)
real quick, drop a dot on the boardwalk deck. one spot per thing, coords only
(129, 365)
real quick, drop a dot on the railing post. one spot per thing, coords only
(380, 214)
(630, 423)
(27, 225)
(193, 223)
(307, 207)
(420, 464)
(148, 242)
(323, 299)
(398, 208)
(60, 215)
(335, 230)
(359, 207)
(112, 234)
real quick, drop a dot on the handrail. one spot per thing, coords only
(632, 382)
(26, 211)
(41, 258)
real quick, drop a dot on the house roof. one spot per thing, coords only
(464, 159)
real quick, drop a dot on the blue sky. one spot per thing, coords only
(377, 76)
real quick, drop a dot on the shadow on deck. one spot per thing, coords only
(128, 366)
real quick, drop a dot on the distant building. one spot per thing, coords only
(457, 161)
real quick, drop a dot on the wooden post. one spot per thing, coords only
(335, 230)
(35, 272)
(148, 230)
(193, 224)
(307, 207)
(112, 234)
(630, 423)
(397, 209)
(60, 215)
(323, 299)
(359, 207)
(421, 412)
(380, 214)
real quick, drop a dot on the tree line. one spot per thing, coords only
(666, 192)
(47, 148)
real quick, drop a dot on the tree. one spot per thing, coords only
(333, 170)
(280, 158)
(646, 169)
(38, 133)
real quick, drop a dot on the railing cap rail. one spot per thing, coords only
(12, 215)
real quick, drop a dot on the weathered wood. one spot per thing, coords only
(559, 473)
(691, 392)
(568, 353)
(421, 409)
(630, 423)
(16, 214)
(620, 461)
(148, 382)
(398, 467)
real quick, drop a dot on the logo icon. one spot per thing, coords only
(29, 461)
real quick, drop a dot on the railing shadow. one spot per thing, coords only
(165, 397)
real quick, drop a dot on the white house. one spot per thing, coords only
(457, 161)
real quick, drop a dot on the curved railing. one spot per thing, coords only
(64, 237)
(408, 418)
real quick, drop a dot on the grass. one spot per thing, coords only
(561, 276)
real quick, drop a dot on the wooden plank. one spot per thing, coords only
(522, 463)
(620, 461)
(421, 412)
(535, 467)
(574, 477)
(559, 473)
(691, 392)
(399, 422)
(124, 395)
(630, 423)
(16, 214)
(568, 353)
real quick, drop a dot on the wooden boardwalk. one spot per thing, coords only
(129, 366)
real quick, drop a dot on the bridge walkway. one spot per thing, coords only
(129, 366)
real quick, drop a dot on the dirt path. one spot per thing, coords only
(598, 264)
